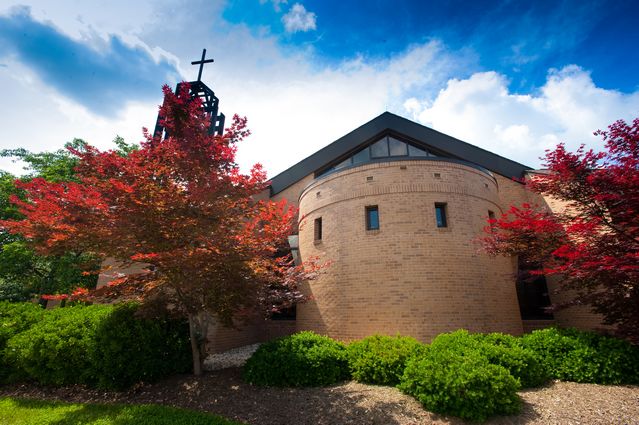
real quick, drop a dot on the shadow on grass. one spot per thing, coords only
(23, 411)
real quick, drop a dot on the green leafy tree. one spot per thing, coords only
(23, 272)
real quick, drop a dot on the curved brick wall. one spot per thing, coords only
(409, 277)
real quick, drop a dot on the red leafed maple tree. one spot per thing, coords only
(180, 205)
(593, 244)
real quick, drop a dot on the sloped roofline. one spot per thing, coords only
(388, 123)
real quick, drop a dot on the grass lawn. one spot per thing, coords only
(14, 411)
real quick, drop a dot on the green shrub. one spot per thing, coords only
(523, 364)
(501, 350)
(128, 349)
(57, 349)
(461, 383)
(302, 359)
(100, 345)
(579, 356)
(381, 359)
(15, 318)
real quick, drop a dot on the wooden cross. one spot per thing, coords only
(201, 62)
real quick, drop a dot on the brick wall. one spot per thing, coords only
(408, 277)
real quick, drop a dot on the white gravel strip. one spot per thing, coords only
(231, 358)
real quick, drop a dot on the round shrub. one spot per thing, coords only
(579, 356)
(381, 359)
(302, 359)
(56, 350)
(463, 384)
(501, 350)
(523, 364)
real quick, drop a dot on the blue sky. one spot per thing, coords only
(513, 77)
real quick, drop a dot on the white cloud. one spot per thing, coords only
(299, 19)
(277, 4)
(295, 107)
(481, 110)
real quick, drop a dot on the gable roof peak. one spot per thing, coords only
(418, 134)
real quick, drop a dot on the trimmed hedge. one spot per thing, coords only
(501, 350)
(99, 345)
(302, 359)
(523, 364)
(381, 359)
(461, 383)
(14, 318)
(573, 355)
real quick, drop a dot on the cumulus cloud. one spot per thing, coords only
(483, 111)
(102, 78)
(299, 19)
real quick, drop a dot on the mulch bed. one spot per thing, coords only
(223, 392)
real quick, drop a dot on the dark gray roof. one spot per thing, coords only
(411, 131)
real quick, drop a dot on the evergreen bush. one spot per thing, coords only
(302, 359)
(56, 350)
(579, 356)
(523, 364)
(460, 383)
(14, 318)
(381, 359)
(100, 345)
(128, 349)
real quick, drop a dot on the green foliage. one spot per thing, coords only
(128, 349)
(579, 356)
(381, 359)
(523, 364)
(23, 273)
(56, 350)
(100, 345)
(302, 359)
(501, 350)
(15, 318)
(461, 383)
(13, 291)
(14, 411)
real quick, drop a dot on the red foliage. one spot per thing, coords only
(594, 243)
(181, 205)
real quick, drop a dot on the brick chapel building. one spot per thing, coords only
(396, 207)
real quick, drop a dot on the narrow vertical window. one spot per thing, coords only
(491, 218)
(318, 229)
(372, 218)
(440, 215)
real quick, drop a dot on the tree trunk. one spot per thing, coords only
(198, 331)
(195, 336)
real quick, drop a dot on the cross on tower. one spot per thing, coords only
(210, 102)
(201, 62)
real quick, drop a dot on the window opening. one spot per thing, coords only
(440, 215)
(372, 218)
(318, 229)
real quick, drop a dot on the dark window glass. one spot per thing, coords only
(379, 149)
(288, 313)
(318, 229)
(343, 164)
(440, 215)
(415, 151)
(372, 218)
(532, 292)
(396, 147)
(362, 156)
